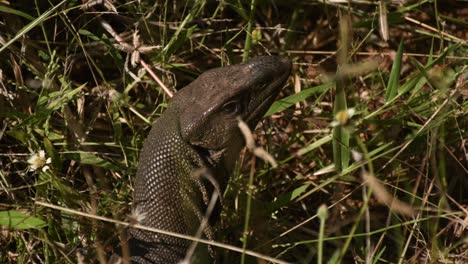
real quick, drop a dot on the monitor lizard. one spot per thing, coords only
(191, 151)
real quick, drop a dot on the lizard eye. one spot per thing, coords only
(232, 107)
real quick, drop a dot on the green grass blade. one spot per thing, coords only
(6, 9)
(32, 25)
(284, 199)
(18, 220)
(289, 101)
(176, 38)
(91, 159)
(248, 36)
(392, 85)
(341, 153)
(314, 145)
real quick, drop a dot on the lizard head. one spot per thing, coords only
(209, 106)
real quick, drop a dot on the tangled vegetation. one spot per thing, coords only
(369, 134)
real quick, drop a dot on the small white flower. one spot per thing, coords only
(357, 156)
(342, 117)
(38, 160)
(138, 215)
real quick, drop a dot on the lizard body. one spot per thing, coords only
(191, 151)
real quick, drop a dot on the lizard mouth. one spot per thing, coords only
(273, 83)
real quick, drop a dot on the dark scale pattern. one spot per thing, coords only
(155, 191)
(197, 133)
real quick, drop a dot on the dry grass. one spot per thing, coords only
(374, 130)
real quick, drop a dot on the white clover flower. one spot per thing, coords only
(38, 160)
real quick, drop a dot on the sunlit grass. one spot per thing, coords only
(373, 130)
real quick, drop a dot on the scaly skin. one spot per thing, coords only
(191, 151)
